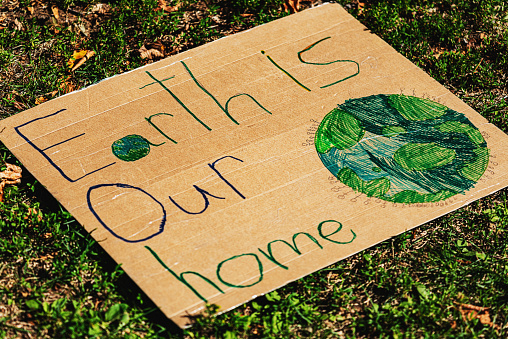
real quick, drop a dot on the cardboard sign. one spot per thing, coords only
(227, 171)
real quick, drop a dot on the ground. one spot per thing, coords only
(447, 278)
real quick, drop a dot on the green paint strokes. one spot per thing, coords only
(421, 157)
(474, 171)
(178, 99)
(418, 109)
(372, 188)
(149, 120)
(456, 126)
(225, 108)
(308, 48)
(379, 187)
(338, 129)
(327, 236)
(286, 72)
(412, 197)
(131, 147)
(390, 131)
(402, 149)
(156, 82)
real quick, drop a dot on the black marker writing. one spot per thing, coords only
(205, 196)
(43, 153)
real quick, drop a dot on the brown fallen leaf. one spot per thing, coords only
(54, 9)
(19, 26)
(11, 173)
(76, 56)
(2, 185)
(30, 9)
(10, 176)
(361, 6)
(168, 9)
(292, 5)
(33, 212)
(82, 60)
(470, 312)
(40, 100)
(101, 8)
(17, 100)
(150, 54)
(18, 105)
(48, 256)
(66, 86)
(438, 52)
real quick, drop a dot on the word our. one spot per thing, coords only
(204, 194)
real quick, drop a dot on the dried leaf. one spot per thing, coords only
(162, 4)
(473, 307)
(470, 312)
(81, 61)
(10, 176)
(101, 8)
(18, 105)
(82, 28)
(150, 53)
(19, 26)
(361, 6)
(49, 256)
(40, 100)
(66, 86)
(54, 9)
(2, 185)
(11, 173)
(30, 9)
(168, 9)
(33, 212)
(78, 55)
(292, 5)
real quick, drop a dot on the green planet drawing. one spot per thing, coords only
(402, 149)
(131, 147)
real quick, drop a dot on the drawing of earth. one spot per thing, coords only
(401, 148)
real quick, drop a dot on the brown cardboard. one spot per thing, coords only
(240, 187)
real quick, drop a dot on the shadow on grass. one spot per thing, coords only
(133, 296)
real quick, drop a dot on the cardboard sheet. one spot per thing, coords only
(229, 170)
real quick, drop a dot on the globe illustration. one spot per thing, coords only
(402, 149)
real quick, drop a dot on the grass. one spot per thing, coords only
(57, 282)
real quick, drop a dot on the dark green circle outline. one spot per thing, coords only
(260, 267)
